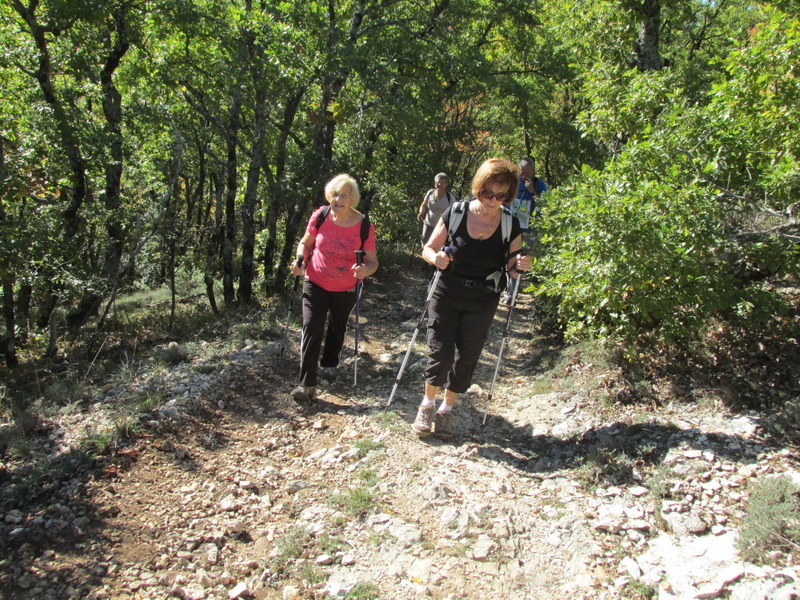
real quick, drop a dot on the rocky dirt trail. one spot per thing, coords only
(232, 490)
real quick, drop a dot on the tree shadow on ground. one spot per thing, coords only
(615, 449)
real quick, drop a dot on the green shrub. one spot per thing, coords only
(356, 501)
(364, 591)
(772, 520)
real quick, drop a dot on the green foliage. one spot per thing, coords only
(786, 423)
(365, 446)
(676, 193)
(772, 520)
(364, 591)
(638, 590)
(356, 501)
(368, 476)
(688, 220)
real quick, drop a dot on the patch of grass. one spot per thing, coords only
(356, 502)
(390, 420)
(544, 385)
(262, 325)
(126, 425)
(659, 482)
(311, 574)
(605, 463)
(20, 447)
(785, 423)
(58, 393)
(329, 544)
(368, 476)
(638, 590)
(149, 401)
(364, 590)
(290, 547)
(457, 550)
(375, 539)
(771, 524)
(365, 446)
(100, 441)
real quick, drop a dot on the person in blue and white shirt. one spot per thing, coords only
(523, 206)
(529, 189)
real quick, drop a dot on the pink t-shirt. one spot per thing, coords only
(334, 255)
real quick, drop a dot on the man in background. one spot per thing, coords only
(529, 189)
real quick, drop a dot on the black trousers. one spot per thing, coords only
(458, 323)
(319, 304)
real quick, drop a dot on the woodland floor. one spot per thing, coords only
(234, 490)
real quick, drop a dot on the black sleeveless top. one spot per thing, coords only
(473, 258)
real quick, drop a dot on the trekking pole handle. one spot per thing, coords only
(360, 257)
(298, 262)
(449, 251)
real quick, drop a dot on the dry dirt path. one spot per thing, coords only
(235, 491)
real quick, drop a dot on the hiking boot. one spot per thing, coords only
(303, 393)
(441, 424)
(422, 424)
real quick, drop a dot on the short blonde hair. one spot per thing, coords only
(338, 183)
(496, 170)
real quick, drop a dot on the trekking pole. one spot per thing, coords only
(431, 288)
(516, 284)
(359, 283)
(297, 263)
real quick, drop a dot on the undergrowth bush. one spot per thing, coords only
(771, 525)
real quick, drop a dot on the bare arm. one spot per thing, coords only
(303, 252)
(423, 208)
(432, 252)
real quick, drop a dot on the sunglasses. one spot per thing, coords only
(487, 195)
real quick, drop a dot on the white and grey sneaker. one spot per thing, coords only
(303, 393)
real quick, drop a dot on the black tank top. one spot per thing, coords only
(476, 259)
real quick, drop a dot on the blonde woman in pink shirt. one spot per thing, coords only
(327, 258)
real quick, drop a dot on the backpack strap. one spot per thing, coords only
(456, 216)
(364, 223)
(364, 229)
(505, 226)
(323, 215)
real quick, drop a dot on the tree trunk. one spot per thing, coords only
(118, 41)
(9, 340)
(69, 140)
(23, 310)
(647, 46)
(251, 200)
(229, 243)
(214, 241)
(278, 193)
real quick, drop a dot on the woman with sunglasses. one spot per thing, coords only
(465, 299)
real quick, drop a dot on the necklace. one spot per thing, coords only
(478, 211)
